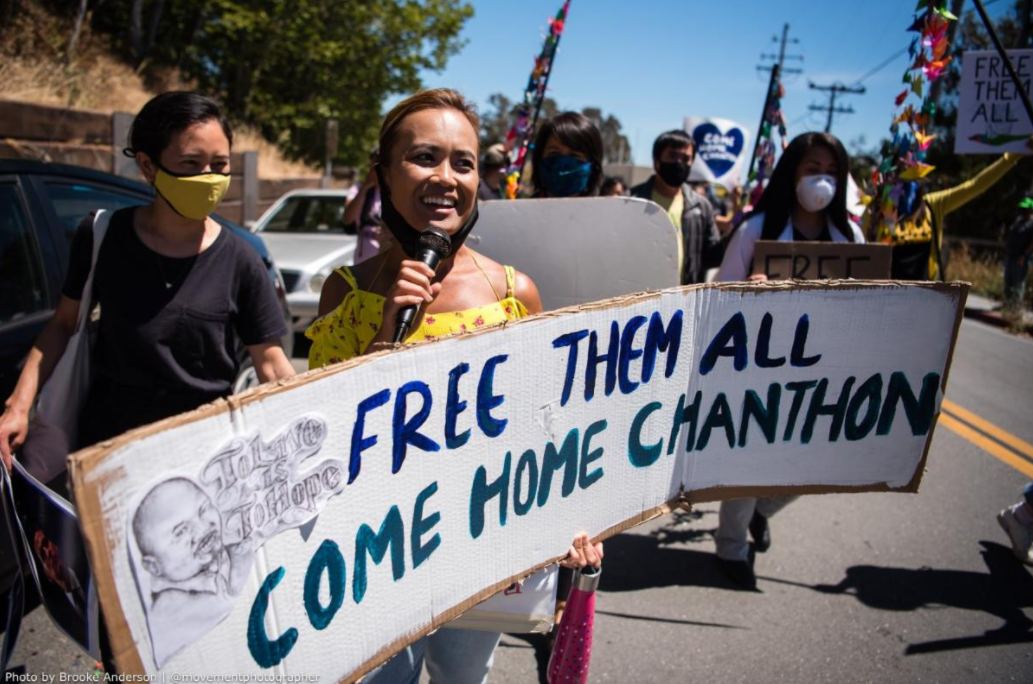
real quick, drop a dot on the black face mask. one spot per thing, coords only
(407, 236)
(674, 173)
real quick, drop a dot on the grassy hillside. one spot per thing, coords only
(35, 67)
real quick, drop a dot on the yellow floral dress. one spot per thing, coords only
(346, 331)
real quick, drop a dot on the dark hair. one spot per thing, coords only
(439, 98)
(610, 182)
(577, 132)
(167, 114)
(779, 196)
(675, 138)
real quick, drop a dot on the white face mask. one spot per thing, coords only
(816, 192)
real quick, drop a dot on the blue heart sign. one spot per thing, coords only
(720, 149)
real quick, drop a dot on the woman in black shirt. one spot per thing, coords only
(176, 289)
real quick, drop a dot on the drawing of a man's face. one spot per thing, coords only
(178, 530)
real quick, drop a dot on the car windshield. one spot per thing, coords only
(308, 215)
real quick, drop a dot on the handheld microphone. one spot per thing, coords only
(432, 246)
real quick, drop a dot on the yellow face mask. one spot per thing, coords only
(194, 197)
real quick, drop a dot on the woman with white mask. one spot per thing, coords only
(805, 200)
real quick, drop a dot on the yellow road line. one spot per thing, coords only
(1019, 445)
(986, 444)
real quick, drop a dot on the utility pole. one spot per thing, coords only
(781, 57)
(834, 90)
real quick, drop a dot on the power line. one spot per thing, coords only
(781, 57)
(882, 65)
(805, 115)
(834, 90)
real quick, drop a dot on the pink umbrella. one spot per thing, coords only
(573, 648)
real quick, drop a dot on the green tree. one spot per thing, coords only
(497, 121)
(616, 149)
(286, 66)
(863, 159)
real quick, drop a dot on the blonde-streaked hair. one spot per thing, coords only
(438, 98)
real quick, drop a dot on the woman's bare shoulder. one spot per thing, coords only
(337, 286)
(527, 292)
(334, 290)
(366, 271)
(495, 271)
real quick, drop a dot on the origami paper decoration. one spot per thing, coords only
(895, 180)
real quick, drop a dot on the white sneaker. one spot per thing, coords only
(1020, 535)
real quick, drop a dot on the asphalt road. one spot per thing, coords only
(856, 588)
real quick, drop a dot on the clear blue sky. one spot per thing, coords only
(653, 62)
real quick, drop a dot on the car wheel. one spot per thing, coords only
(247, 378)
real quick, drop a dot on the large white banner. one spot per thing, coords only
(722, 146)
(991, 118)
(310, 530)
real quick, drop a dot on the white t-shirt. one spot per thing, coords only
(739, 254)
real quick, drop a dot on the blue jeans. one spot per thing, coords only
(1027, 494)
(453, 656)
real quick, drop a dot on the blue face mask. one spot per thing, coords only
(565, 176)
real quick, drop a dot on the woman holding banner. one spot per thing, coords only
(428, 159)
(177, 290)
(428, 176)
(805, 200)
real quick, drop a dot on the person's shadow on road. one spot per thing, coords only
(636, 561)
(1003, 593)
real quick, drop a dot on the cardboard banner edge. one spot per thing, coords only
(82, 465)
(87, 502)
(90, 456)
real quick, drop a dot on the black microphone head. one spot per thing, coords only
(435, 240)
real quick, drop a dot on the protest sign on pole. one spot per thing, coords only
(521, 136)
(721, 146)
(991, 117)
(311, 528)
(580, 250)
(782, 260)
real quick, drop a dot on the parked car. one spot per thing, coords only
(41, 206)
(305, 231)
